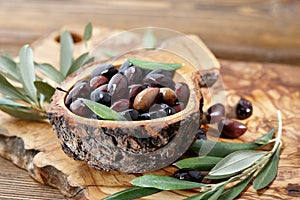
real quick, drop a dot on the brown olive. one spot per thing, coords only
(145, 99)
(168, 95)
(231, 128)
(182, 91)
(118, 86)
(79, 108)
(134, 75)
(215, 113)
(120, 105)
(134, 90)
(160, 79)
(98, 81)
(80, 90)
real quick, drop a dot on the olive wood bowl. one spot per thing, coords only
(129, 146)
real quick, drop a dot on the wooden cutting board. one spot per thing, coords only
(34, 146)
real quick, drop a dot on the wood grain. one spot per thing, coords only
(34, 146)
(266, 31)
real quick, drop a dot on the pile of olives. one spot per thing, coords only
(133, 92)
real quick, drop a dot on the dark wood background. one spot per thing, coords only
(247, 30)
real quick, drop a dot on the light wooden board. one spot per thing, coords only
(34, 146)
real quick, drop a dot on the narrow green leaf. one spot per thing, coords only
(50, 71)
(265, 138)
(132, 193)
(268, 173)
(154, 65)
(66, 52)
(102, 110)
(220, 149)
(8, 102)
(235, 190)
(27, 71)
(149, 40)
(79, 62)
(201, 196)
(23, 113)
(88, 30)
(200, 163)
(236, 161)
(217, 192)
(220, 176)
(8, 89)
(164, 182)
(9, 66)
(45, 89)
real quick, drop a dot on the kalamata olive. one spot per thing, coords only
(188, 175)
(208, 79)
(133, 90)
(201, 134)
(98, 81)
(80, 90)
(168, 95)
(102, 88)
(182, 91)
(168, 73)
(153, 115)
(125, 65)
(160, 79)
(79, 108)
(118, 86)
(134, 75)
(231, 129)
(215, 113)
(244, 109)
(145, 99)
(101, 97)
(107, 70)
(130, 114)
(120, 105)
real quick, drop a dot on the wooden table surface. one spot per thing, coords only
(250, 30)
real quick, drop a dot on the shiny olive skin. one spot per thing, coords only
(231, 129)
(101, 97)
(182, 91)
(80, 90)
(160, 79)
(118, 86)
(244, 109)
(188, 175)
(98, 81)
(130, 114)
(120, 105)
(145, 99)
(168, 73)
(79, 108)
(134, 75)
(168, 96)
(107, 70)
(133, 90)
(201, 134)
(215, 113)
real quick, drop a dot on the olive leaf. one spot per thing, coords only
(235, 190)
(23, 113)
(79, 62)
(8, 102)
(8, 65)
(50, 72)
(132, 193)
(88, 31)
(8, 89)
(200, 163)
(164, 182)
(214, 177)
(201, 196)
(265, 138)
(268, 173)
(220, 149)
(66, 52)
(236, 161)
(45, 89)
(154, 65)
(217, 192)
(149, 39)
(27, 73)
(102, 110)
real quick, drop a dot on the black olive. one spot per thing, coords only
(188, 175)
(244, 109)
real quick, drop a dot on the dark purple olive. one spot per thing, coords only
(182, 91)
(107, 70)
(80, 90)
(208, 79)
(231, 129)
(102, 88)
(179, 106)
(215, 113)
(201, 134)
(153, 115)
(133, 90)
(125, 66)
(168, 73)
(98, 81)
(166, 108)
(118, 86)
(79, 108)
(188, 175)
(168, 96)
(101, 97)
(159, 79)
(120, 105)
(134, 75)
(145, 99)
(244, 109)
(130, 114)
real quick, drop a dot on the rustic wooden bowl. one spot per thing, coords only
(123, 145)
